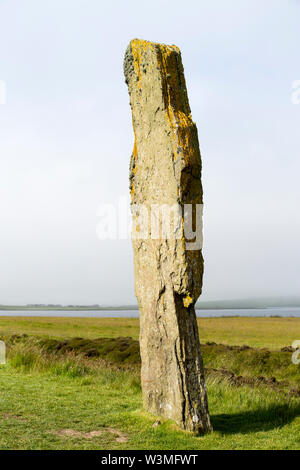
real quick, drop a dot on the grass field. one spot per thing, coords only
(59, 392)
(272, 333)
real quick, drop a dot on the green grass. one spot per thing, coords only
(40, 405)
(52, 384)
(219, 360)
(271, 333)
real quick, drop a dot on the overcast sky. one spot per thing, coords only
(66, 140)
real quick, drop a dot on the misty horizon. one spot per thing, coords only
(66, 139)
(293, 301)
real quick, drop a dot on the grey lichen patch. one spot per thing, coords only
(128, 64)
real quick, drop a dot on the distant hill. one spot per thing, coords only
(260, 302)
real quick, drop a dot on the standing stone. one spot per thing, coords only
(165, 169)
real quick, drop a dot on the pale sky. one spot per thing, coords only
(66, 140)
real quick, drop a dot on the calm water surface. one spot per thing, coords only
(244, 312)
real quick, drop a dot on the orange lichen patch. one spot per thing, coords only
(187, 301)
(138, 49)
(176, 102)
(134, 151)
(169, 60)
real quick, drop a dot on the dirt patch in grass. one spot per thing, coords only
(119, 435)
(260, 364)
(12, 416)
(239, 380)
(224, 375)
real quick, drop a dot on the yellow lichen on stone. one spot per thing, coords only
(172, 82)
(187, 301)
(176, 102)
(138, 49)
(134, 151)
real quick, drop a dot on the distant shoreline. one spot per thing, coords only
(101, 309)
(111, 312)
(251, 304)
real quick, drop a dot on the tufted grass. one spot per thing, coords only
(271, 333)
(52, 385)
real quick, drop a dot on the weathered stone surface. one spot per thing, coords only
(165, 168)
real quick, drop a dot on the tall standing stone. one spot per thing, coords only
(165, 169)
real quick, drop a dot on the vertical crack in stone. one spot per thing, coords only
(181, 385)
(165, 168)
